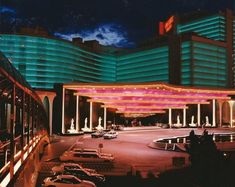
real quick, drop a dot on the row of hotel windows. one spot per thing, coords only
(47, 61)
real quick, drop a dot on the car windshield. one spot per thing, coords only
(72, 180)
(84, 155)
(85, 150)
(72, 167)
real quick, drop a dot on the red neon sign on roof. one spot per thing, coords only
(165, 27)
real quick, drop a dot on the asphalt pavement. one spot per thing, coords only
(134, 162)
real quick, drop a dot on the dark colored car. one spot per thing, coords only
(97, 134)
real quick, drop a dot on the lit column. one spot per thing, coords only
(170, 118)
(29, 105)
(62, 123)
(33, 117)
(22, 125)
(105, 115)
(50, 116)
(213, 113)
(184, 117)
(231, 113)
(220, 112)
(198, 115)
(77, 113)
(12, 131)
(91, 116)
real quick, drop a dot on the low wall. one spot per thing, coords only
(28, 173)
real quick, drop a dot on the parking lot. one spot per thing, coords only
(132, 155)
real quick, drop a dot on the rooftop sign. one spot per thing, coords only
(165, 27)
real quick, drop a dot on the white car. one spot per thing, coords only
(85, 157)
(67, 181)
(61, 168)
(110, 135)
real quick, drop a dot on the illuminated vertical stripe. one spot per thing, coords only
(45, 61)
(203, 64)
(212, 27)
(144, 66)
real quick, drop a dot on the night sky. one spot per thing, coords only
(121, 23)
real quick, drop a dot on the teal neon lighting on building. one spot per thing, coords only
(212, 27)
(143, 66)
(45, 61)
(203, 64)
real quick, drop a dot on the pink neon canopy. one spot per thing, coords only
(146, 98)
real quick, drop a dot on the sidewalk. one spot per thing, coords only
(141, 128)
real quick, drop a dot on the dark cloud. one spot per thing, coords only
(7, 10)
(100, 36)
(106, 34)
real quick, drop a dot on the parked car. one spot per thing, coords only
(67, 181)
(85, 175)
(115, 127)
(85, 157)
(91, 151)
(119, 127)
(63, 166)
(110, 135)
(97, 134)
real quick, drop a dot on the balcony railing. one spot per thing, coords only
(20, 154)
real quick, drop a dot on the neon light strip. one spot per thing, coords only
(152, 95)
(147, 101)
(142, 112)
(8, 163)
(17, 166)
(137, 115)
(25, 155)
(150, 91)
(147, 86)
(6, 180)
(4, 167)
(146, 92)
(144, 107)
(17, 154)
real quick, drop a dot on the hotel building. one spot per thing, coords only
(195, 50)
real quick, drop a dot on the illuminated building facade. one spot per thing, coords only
(194, 51)
(45, 61)
(211, 60)
(191, 50)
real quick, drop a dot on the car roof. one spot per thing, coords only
(83, 170)
(112, 132)
(71, 164)
(84, 150)
(87, 153)
(66, 176)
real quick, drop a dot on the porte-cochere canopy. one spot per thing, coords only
(144, 99)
